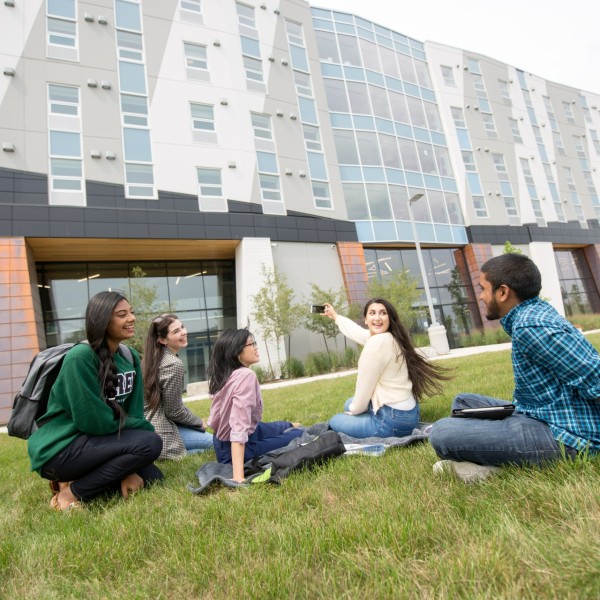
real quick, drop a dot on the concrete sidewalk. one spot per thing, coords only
(455, 353)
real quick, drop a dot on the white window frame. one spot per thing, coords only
(448, 75)
(214, 200)
(59, 50)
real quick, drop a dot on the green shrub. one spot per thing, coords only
(292, 369)
(586, 322)
(349, 358)
(263, 375)
(317, 363)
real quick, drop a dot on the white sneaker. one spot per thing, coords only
(466, 471)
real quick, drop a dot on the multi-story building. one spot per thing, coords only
(197, 142)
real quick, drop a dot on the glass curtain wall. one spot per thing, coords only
(579, 292)
(201, 293)
(452, 294)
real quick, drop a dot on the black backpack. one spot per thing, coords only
(32, 401)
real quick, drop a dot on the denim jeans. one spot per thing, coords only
(266, 437)
(386, 422)
(97, 463)
(195, 441)
(517, 439)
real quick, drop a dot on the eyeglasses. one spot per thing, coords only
(254, 344)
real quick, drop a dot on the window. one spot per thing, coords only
(61, 29)
(514, 127)
(137, 145)
(500, 167)
(473, 66)
(595, 140)
(579, 149)
(194, 6)
(134, 110)
(262, 126)
(268, 176)
(303, 85)
(253, 69)
(480, 207)
(203, 123)
(482, 99)
(195, 61)
(128, 15)
(129, 45)
(132, 77)
(558, 143)
(210, 190)
(468, 160)
(568, 110)
(458, 117)
(63, 100)
(504, 91)
(245, 15)
(202, 117)
(312, 137)
(66, 182)
(488, 123)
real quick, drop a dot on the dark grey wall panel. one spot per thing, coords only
(24, 203)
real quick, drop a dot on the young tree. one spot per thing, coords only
(510, 249)
(143, 300)
(460, 307)
(400, 288)
(318, 323)
(275, 312)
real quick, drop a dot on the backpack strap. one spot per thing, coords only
(125, 352)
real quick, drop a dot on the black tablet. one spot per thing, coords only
(485, 412)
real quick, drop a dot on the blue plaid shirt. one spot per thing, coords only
(557, 373)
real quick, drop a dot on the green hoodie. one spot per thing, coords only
(76, 404)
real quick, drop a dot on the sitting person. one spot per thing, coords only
(392, 375)
(557, 384)
(181, 430)
(94, 437)
(237, 407)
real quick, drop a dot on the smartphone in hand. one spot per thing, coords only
(317, 308)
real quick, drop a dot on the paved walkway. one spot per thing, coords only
(455, 353)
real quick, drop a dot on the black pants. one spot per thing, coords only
(97, 464)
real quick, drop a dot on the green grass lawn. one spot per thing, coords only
(358, 527)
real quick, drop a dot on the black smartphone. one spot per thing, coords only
(317, 308)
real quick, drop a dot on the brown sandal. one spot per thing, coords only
(54, 505)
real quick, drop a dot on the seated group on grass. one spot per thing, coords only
(98, 436)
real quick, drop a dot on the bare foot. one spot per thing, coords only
(296, 425)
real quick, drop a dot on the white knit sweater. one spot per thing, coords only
(382, 372)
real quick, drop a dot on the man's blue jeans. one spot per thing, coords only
(386, 422)
(517, 439)
(194, 440)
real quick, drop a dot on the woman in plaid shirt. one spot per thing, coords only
(181, 430)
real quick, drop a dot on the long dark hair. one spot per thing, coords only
(224, 358)
(98, 314)
(426, 377)
(153, 350)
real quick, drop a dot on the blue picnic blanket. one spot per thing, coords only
(213, 474)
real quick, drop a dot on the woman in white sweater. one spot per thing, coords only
(392, 375)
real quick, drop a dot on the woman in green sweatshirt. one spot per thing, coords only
(95, 438)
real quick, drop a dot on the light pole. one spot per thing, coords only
(437, 332)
